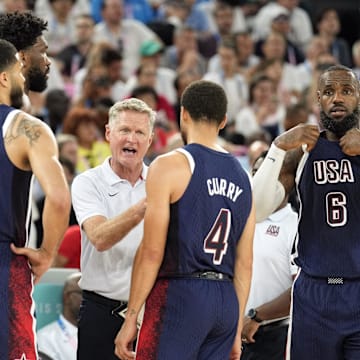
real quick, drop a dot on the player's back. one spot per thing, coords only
(15, 189)
(208, 220)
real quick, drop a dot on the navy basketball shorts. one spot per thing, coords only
(189, 319)
(325, 319)
(17, 322)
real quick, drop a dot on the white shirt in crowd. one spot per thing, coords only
(58, 340)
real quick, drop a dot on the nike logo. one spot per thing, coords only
(113, 194)
(272, 159)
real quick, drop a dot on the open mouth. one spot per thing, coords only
(129, 151)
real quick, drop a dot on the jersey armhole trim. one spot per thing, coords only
(189, 158)
(9, 118)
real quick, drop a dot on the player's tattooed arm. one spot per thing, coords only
(26, 126)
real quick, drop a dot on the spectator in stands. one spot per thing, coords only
(73, 57)
(264, 111)
(316, 47)
(58, 340)
(57, 104)
(92, 149)
(165, 123)
(126, 35)
(280, 23)
(300, 23)
(182, 80)
(151, 52)
(328, 27)
(356, 57)
(246, 58)
(184, 13)
(284, 74)
(14, 5)
(68, 255)
(68, 147)
(234, 84)
(104, 61)
(61, 29)
(224, 18)
(184, 53)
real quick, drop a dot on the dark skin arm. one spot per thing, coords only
(276, 308)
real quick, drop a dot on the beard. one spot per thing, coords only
(340, 127)
(36, 80)
(16, 97)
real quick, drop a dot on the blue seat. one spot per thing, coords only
(48, 303)
(48, 295)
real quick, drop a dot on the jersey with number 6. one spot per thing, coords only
(328, 185)
(207, 222)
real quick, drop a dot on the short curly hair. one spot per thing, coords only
(21, 29)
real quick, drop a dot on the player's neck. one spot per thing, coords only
(207, 139)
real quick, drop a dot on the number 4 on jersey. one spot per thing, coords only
(216, 242)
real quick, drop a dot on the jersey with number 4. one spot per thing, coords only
(207, 222)
(328, 240)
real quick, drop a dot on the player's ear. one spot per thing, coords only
(184, 114)
(23, 57)
(4, 79)
(223, 123)
(318, 97)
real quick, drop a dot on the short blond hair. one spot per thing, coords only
(132, 104)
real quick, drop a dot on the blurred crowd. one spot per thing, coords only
(266, 54)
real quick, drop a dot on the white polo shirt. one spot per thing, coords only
(99, 191)
(272, 267)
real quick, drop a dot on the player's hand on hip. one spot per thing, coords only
(125, 339)
(302, 134)
(350, 142)
(40, 260)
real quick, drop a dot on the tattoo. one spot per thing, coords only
(26, 127)
(132, 312)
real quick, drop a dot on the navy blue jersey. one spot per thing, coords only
(207, 222)
(17, 331)
(14, 200)
(328, 242)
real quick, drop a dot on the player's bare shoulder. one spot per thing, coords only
(24, 127)
(24, 133)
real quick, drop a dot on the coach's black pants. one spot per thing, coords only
(270, 344)
(97, 328)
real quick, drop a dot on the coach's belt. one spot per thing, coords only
(274, 325)
(93, 296)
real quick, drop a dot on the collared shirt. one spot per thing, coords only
(99, 191)
(58, 340)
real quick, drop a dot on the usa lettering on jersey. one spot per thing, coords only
(333, 171)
